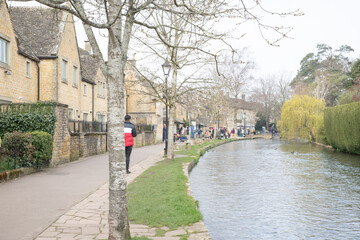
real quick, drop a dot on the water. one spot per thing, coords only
(268, 189)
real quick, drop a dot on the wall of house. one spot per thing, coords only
(68, 93)
(100, 105)
(16, 87)
(48, 79)
(86, 100)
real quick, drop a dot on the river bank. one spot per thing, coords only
(277, 190)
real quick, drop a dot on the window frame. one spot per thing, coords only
(7, 49)
(71, 114)
(87, 115)
(75, 77)
(101, 86)
(27, 68)
(64, 70)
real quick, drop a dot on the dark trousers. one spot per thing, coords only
(127, 154)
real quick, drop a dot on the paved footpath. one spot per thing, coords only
(28, 205)
(89, 218)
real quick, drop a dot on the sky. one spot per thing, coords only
(333, 22)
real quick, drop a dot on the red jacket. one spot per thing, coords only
(130, 133)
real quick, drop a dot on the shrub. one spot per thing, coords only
(43, 143)
(18, 149)
(342, 127)
(27, 117)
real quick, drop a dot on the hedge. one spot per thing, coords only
(38, 116)
(43, 143)
(342, 125)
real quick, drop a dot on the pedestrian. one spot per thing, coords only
(200, 132)
(130, 133)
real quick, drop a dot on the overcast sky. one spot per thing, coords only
(333, 22)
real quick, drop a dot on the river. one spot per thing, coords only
(269, 189)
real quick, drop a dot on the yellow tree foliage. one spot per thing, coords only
(302, 117)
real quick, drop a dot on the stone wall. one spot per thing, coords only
(61, 140)
(87, 144)
(71, 146)
(145, 139)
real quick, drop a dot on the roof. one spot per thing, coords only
(88, 66)
(40, 27)
(25, 49)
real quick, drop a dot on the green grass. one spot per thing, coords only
(195, 148)
(160, 232)
(140, 238)
(158, 197)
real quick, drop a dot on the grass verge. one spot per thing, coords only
(158, 197)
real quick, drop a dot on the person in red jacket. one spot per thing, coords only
(130, 133)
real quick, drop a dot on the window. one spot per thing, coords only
(101, 118)
(27, 68)
(85, 117)
(4, 51)
(77, 114)
(101, 89)
(64, 70)
(70, 114)
(84, 89)
(75, 75)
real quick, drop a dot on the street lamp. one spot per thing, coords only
(166, 69)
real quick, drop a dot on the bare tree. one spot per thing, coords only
(265, 95)
(282, 91)
(236, 70)
(118, 18)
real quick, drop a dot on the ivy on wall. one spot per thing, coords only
(38, 116)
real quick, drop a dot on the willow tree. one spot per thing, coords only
(302, 117)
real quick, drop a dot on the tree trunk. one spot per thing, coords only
(117, 56)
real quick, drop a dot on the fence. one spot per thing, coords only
(86, 127)
(18, 156)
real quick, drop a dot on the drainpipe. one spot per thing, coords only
(38, 81)
(93, 102)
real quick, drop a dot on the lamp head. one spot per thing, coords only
(166, 68)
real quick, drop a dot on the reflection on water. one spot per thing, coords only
(263, 189)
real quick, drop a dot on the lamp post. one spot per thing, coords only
(244, 119)
(166, 69)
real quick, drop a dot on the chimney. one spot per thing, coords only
(243, 96)
(87, 46)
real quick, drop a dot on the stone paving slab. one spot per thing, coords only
(89, 218)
